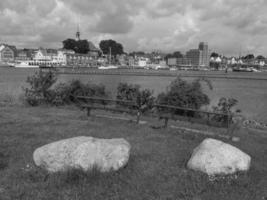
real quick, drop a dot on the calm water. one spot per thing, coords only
(251, 94)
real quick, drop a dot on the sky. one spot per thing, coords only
(230, 27)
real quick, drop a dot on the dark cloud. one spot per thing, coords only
(139, 24)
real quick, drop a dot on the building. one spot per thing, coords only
(62, 57)
(25, 54)
(79, 60)
(172, 62)
(199, 57)
(142, 62)
(203, 46)
(178, 62)
(195, 57)
(7, 53)
(131, 61)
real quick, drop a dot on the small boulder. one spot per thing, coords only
(83, 153)
(215, 157)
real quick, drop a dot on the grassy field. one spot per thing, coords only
(156, 169)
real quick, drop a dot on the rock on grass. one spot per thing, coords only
(215, 157)
(83, 153)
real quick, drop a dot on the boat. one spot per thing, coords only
(108, 67)
(25, 64)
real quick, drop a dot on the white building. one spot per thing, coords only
(142, 62)
(52, 57)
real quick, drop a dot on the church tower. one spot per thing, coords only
(78, 34)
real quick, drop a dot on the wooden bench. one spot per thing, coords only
(94, 103)
(167, 115)
(165, 112)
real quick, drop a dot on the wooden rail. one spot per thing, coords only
(134, 110)
(162, 110)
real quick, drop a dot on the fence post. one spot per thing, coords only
(138, 117)
(88, 112)
(228, 122)
(166, 119)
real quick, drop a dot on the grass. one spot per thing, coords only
(156, 169)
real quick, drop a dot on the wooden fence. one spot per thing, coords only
(165, 112)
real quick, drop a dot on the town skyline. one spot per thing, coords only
(230, 28)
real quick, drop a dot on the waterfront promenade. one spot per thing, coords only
(165, 73)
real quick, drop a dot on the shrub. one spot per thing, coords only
(128, 92)
(65, 93)
(184, 94)
(40, 88)
(225, 106)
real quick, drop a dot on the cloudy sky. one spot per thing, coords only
(229, 26)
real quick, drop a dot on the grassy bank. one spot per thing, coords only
(156, 169)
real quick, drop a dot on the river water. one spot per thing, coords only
(251, 93)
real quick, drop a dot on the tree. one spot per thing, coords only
(177, 54)
(81, 46)
(184, 94)
(214, 54)
(40, 88)
(168, 56)
(107, 45)
(260, 57)
(249, 56)
(143, 99)
(137, 53)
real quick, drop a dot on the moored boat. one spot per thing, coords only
(26, 64)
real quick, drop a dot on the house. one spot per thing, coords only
(24, 54)
(7, 53)
(45, 55)
(79, 60)
(142, 62)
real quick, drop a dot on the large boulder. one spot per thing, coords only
(215, 157)
(83, 153)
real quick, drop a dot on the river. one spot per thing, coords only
(250, 93)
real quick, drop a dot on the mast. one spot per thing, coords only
(109, 55)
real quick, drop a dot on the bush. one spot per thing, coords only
(128, 92)
(40, 88)
(65, 93)
(225, 106)
(181, 93)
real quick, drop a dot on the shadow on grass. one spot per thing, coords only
(4, 160)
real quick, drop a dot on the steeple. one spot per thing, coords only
(78, 34)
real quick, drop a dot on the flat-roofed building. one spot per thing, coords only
(203, 46)
(79, 60)
(195, 57)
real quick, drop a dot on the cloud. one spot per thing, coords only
(114, 23)
(167, 25)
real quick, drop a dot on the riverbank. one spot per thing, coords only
(164, 73)
(156, 169)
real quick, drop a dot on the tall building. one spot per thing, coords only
(195, 57)
(199, 57)
(203, 46)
